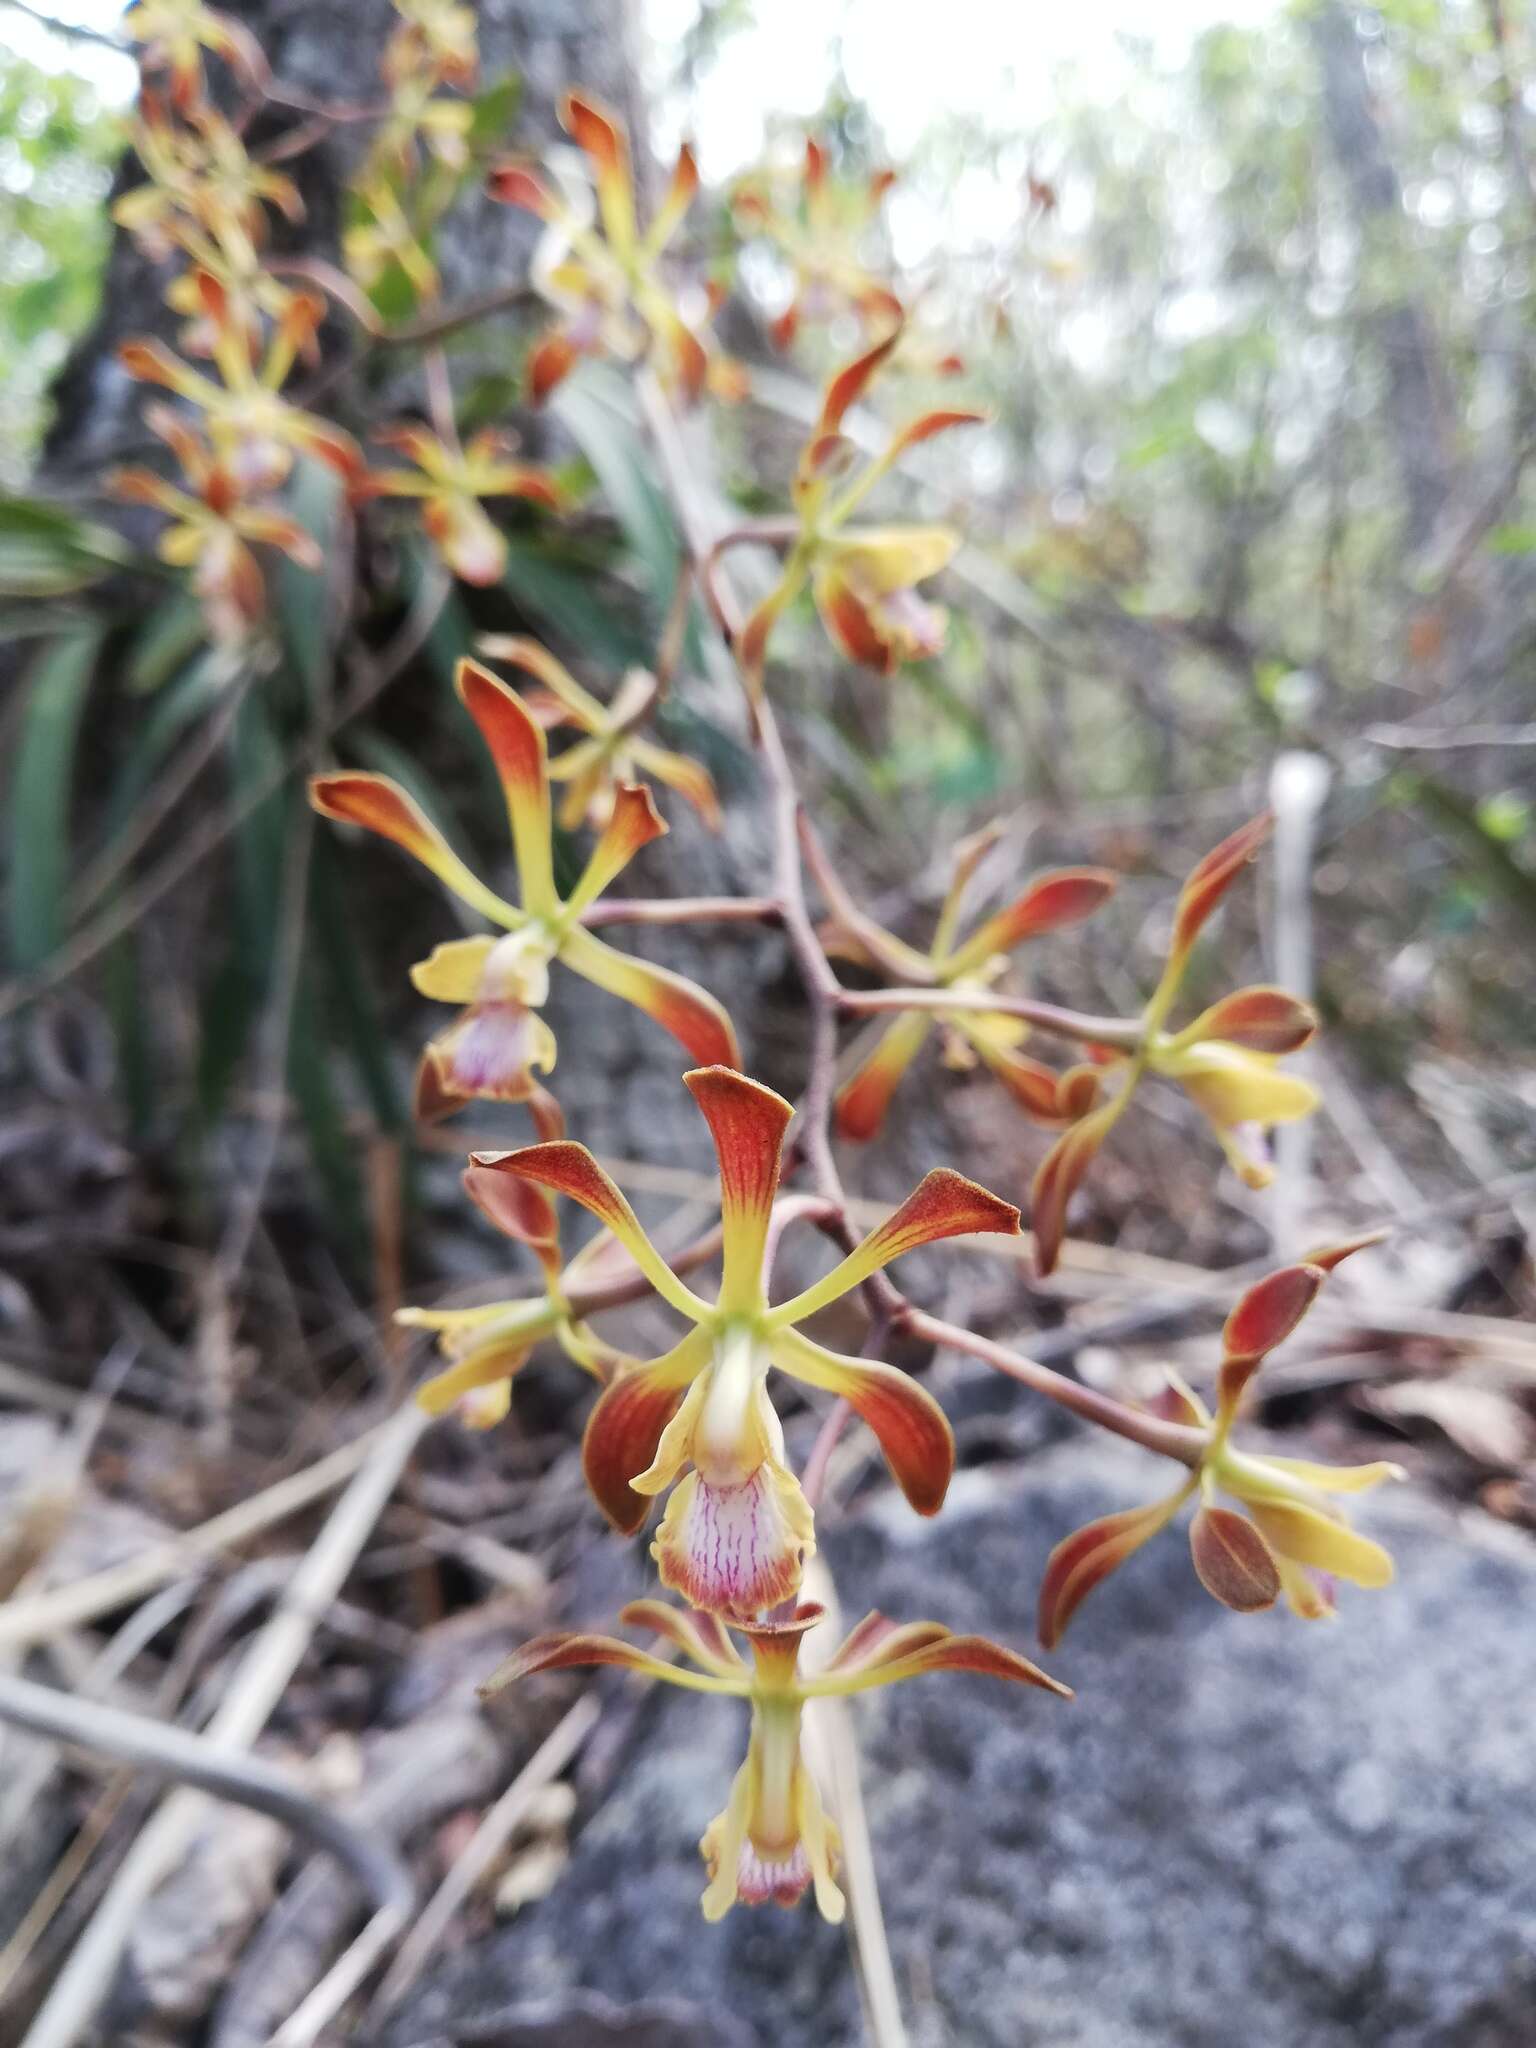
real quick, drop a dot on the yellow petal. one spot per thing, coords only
(451, 971)
(1308, 1537)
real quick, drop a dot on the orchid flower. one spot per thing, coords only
(611, 753)
(201, 182)
(213, 527)
(1293, 1540)
(738, 1528)
(499, 1040)
(1227, 1060)
(774, 1840)
(818, 233)
(451, 481)
(967, 965)
(435, 36)
(487, 1346)
(175, 34)
(863, 578)
(253, 428)
(606, 285)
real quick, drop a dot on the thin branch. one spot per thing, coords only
(256, 1684)
(1125, 1034)
(1168, 1439)
(682, 910)
(194, 1760)
(551, 1757)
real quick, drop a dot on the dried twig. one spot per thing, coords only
(480, 1852)
(255, 1686)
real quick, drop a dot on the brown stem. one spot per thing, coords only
(812, 1135)
(1169, 1439)
(1125, 1034)
(681, 910)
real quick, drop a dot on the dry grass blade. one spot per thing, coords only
(256, 1684)
(547, 1762)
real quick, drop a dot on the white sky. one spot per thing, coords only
(995, 59)
(991, 58)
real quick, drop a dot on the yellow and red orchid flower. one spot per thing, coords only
(968, 965)
(174, 35)
(254, 430)
(775, 1840)
(607, 285)
(434, 36)
(214, 527)
(201, 182)
(863, 578)
(1227, 1060)
(495, 1046)
(451, 482)
(612, 751)
(487, 1346)
(738, 1528)
(818, 231)
(1292, 1540)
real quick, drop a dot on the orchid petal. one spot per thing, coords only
(865, 1096)
(570, 1169)
(626, 1426)
(736, 1550)
(538, 662)
(1261, 1019)
(451, 971)
(635, 822)
(910, 1425)
(1059, 1174)
(699, 1636)
(560, 1651)
(517, 748)
(692, 781)
(1088, 1556)
(1062, 897)
(380, 805)
(943, 1204)
(1232, 1561)
(896, 1660)
(693, 1016)
(550, 361)
(1309, 1537)
(1336, 1478)
(747, 1123)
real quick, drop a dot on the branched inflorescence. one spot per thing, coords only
(698, 1424)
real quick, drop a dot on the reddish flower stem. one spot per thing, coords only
(681, 910)
(1168, 1439)
(1124, 1033)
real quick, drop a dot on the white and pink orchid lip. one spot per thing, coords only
(911, 621)
(782, 1879)
(736, 1549)
(493, 1050)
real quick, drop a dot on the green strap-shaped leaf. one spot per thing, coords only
(40, 797)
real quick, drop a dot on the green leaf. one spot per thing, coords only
(332, 1151)
(591, 407)
(154, 733)
(495, 111)
(306, 623)
(1511, 540)
(564, 600)
(173, 632)
(130, 1017)
(348, 985)
(40, 796)
(48, 553)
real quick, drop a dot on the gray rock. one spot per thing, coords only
(1243, 1830)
